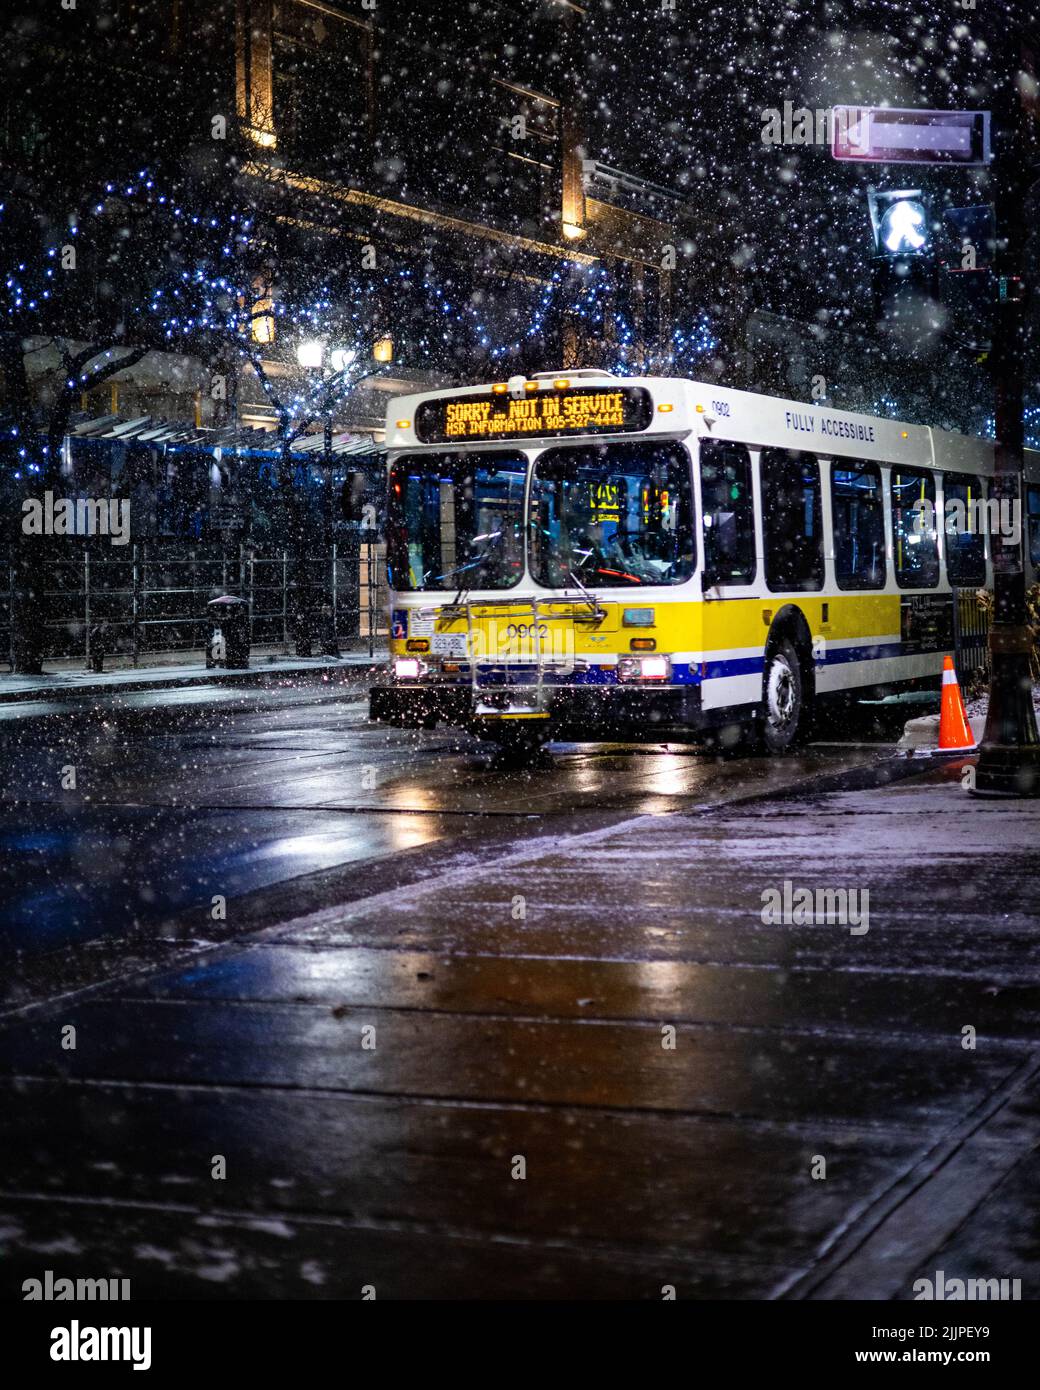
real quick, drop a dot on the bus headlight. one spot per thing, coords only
(407, 668)
(644, 668)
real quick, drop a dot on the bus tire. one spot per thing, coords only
(784, 715)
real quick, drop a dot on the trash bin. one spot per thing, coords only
(228, 640)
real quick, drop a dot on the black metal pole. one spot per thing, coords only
(1009, 756)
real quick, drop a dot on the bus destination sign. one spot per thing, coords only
(581, 410)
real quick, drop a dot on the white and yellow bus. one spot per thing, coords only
(586, 557)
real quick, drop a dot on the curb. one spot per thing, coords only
(251, 676)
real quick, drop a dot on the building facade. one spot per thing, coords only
(419, 172)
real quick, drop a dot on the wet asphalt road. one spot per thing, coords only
(470, 1032)
(185, 795)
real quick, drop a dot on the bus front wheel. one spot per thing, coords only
(784, 715)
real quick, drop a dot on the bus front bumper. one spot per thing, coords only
(569, 711)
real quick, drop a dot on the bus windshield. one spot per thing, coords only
(614, 515)
(456, 521)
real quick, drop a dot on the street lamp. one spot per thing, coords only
(342, 359)
(310, 353)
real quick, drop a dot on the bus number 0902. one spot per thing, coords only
(720, 407)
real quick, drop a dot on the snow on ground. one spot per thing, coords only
(980, 703)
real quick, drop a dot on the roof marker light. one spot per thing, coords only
(665, 408)
(700, 410)
(403, 424)
(562, 383)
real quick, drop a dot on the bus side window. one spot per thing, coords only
(1033, 516)
(728, 513)
(965, 528)
(914, 532)
(792, 517)
(858, 508)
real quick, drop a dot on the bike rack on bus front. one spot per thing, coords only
(595, 614)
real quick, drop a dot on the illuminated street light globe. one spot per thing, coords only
(310, 353)
(342, 359)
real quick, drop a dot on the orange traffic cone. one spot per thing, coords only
(954, 730)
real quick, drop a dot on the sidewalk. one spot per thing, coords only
(700, 1098)
(71, 683)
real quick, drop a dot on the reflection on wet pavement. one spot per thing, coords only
(248, 791)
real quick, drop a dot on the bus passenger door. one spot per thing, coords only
(731, 636)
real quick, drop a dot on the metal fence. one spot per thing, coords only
(970, 635)
(151, 597)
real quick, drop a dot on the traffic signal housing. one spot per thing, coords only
(903, 267)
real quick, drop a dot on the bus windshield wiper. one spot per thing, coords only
(475, 565)
(469, 564)
(593, 603)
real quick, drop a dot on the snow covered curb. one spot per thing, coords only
(922, 734)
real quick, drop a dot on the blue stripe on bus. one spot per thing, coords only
(834, 656)
(498, 676)
(683, 673)
(734, 666)
(877, 652)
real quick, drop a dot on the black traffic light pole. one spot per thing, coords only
(1009, 756)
